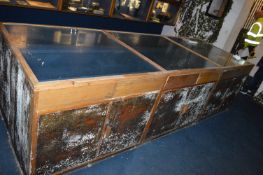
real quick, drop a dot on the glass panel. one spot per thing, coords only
(164, 11)
(49, 4)
(132, 9)
(65, 53)
(208, 50)
(96, 7)
(163, 52)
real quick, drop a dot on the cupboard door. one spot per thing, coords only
(69, 138)
(126, 122)
(178, 108)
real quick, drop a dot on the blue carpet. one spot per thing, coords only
(8, 164)
(229, 143)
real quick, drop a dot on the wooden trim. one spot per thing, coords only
(104, 127)
(18, 55)
(50, 26)
(60, 98)
(229, 61)
(209, 76)
(180, 81)
(156, 103)
(193, 71)
(150, 11)
(61, 84)
(195, 53)
(134, 51)
(34, 133)
(112, 7)
(60, 5)
(57, 95)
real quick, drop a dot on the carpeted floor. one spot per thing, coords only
(229, 143)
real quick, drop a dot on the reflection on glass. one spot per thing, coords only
(96, 7)
(208, 50)
(66, 53)
(163, 52)
(164, 11)
(50, 4)
(132, 9)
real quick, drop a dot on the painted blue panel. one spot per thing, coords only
(163, 52)
(57, 54)
(51, 17)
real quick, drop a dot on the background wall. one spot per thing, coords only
(52, 17)
(233, 23)
(194, 22)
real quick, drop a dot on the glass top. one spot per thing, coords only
(208, 50)
(163, 52)
(67, 53)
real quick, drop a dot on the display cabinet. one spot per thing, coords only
(164, 11)
(95, 7)
(45, 4)
(132, 9)
(72, 96)
(161, 11)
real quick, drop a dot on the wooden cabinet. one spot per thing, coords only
(70, 103)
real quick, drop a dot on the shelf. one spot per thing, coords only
(140, 10)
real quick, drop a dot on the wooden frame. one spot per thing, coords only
(54, 96)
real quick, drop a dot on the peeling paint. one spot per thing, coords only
(167, 97)
(223, 95)
(69, 138)
(178, 108)
(15, 104)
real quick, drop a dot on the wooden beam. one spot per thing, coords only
(112, 7)
(34, 133)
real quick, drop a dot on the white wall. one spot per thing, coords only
(233, 23)
(168, 30)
